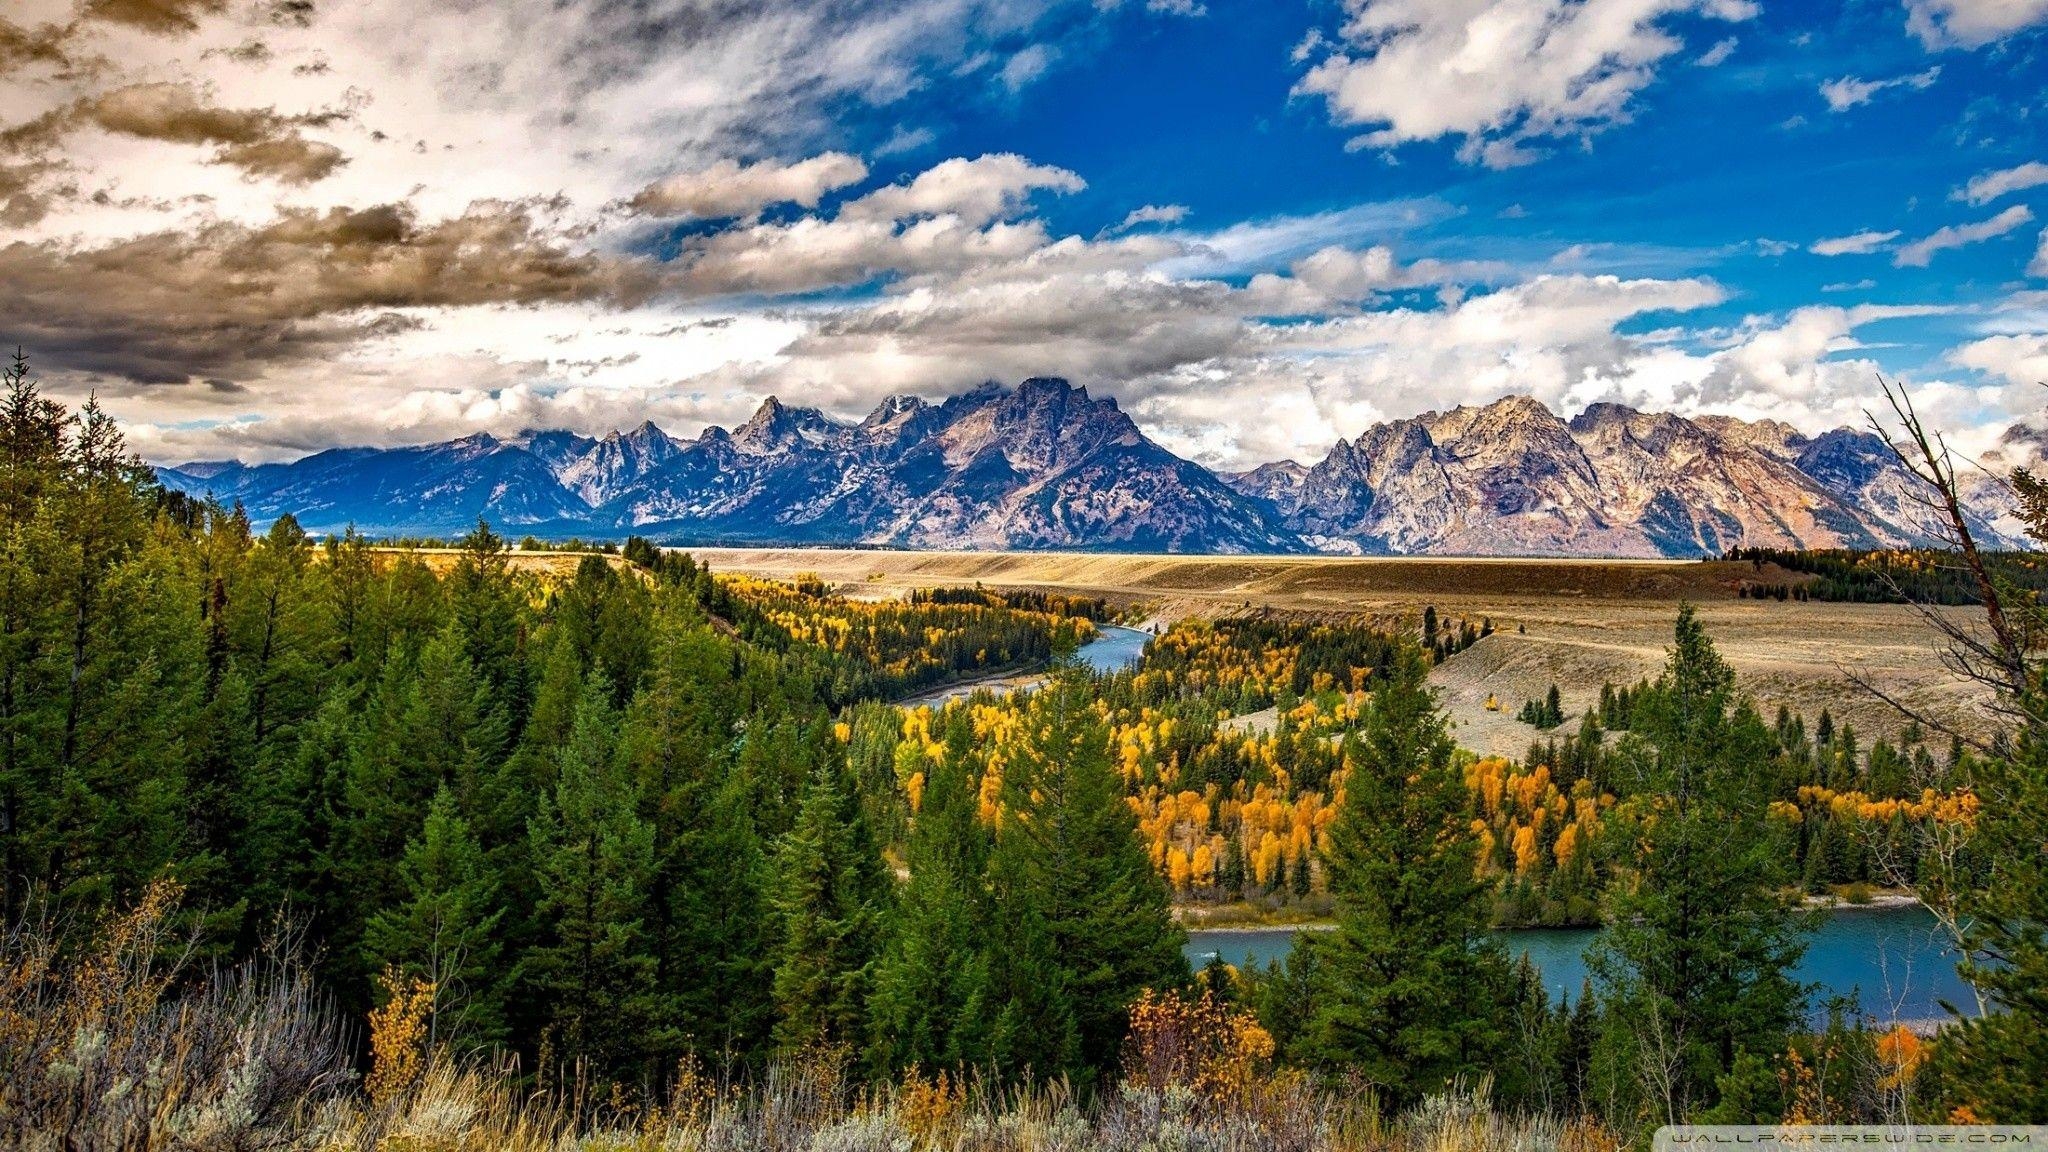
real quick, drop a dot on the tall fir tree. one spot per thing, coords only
(1695, 959)
(831, 901)
(591, 974)
(1075, 881)
(708, 917)
(444, 929)
(931, 985)
(1411, 987)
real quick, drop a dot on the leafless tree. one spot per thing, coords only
(1990, 650)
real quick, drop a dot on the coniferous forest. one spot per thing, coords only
(328, 844)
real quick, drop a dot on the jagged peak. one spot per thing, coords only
(894, 408)
(645, 432)
(1048, 384)
(476, 442)
(1519, 403)
(770, 410)
(1603, 412)
(1287, 467)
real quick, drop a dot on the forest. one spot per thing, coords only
(1888, 576)
(317, 844)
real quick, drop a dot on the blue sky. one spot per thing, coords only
(1262, 226)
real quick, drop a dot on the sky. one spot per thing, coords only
(263, 228)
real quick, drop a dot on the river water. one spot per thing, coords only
(1114, 649)
(1894, 960)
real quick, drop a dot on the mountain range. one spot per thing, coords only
(1047, 466)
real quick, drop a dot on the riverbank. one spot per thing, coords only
(1314, 913)
(1317, 913)
(1113, 649)
(1892, 962)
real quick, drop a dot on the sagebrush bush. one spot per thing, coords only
(122, 1044)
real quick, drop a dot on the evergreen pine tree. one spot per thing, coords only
(934, 970)
(591, 976)
(1698, 944)
(831, 897)
(708, 917)
(1411, 986)
(444, 929)
(1070, 858)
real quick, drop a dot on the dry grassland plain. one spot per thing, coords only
(1582, 622)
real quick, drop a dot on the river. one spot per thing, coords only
(1114, 649)
(1895, 960)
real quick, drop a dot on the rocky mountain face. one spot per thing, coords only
(1046, 466)
(1514, 478)
(1043, 466)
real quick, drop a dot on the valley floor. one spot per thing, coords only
(1576, 623)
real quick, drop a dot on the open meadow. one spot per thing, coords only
(1575, 623)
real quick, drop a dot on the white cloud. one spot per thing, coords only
(2020, 360)
(1256, 245)
(1498, 74)
(1920, 252)
(1337, 275)
(2039, 266)
(1153, 214)
(1857, 244)
(1989, 186)
(1849, 91)
(1027, 65)
(728, 189)
(979, 190)
(1971, 23)
(1791, 361)
(1717, 55)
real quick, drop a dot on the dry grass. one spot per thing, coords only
(108, 1047)
(111, 1046)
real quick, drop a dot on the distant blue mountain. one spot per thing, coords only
(1046, 466)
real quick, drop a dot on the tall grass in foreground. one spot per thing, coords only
(118, 1044)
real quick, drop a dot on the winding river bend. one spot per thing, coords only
(1895, 961)
(1113, 649)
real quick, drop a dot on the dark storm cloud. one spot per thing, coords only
(259, 141)
(228, 301)
(170, 17)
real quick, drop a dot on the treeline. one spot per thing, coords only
(1841, 813)
(1445, 639)
(1885, 576)
(1253, 663)
(1022, 600)
(584, 820)
(887, 649)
